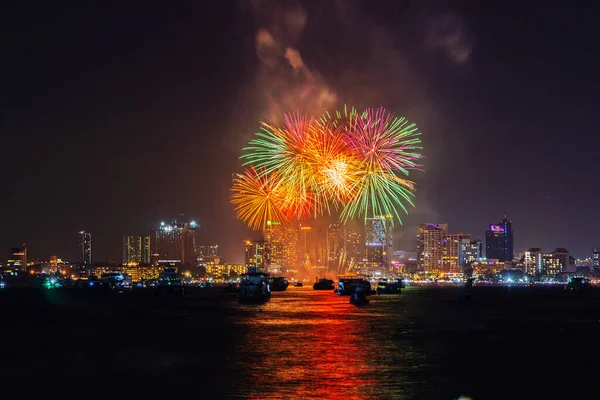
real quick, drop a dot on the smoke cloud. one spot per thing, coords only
(449, 34)
(317, 56)
(286, 82)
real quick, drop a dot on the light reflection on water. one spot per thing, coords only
(426, 343)
(314, 344)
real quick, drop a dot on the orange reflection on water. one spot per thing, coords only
(310, 344)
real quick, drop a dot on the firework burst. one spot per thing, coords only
(385, 146)
(258, 198)
(354, 162)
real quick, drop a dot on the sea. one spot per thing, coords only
(429, 342)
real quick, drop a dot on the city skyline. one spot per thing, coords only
(146, 243)
(126, 127)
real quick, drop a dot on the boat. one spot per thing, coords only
(389, 287)
(116, 280)
(359, 297)
(324, 284)
(347, 285)
(254, 288)
(204, 284)
(298, 284)
(170, 282)
(279, 284)
(577, 284)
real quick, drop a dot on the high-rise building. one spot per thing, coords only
(282, 245)
(305, 245)
(355, 247)
(551, 265)
(174, 243)
(469, 250)
(499, 241)
(533, 261)
(17, 258)
(336, 247)
(207, 250)
(450, 246)
(564, 259)
(379, 239)
(255, 255)
(86, 248)
(595, 260)
(136, 250)
(429, 246)
(375, 240)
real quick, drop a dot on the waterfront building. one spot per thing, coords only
(429, 246)
(355, 247)
(207, 250)
(86, 248)
(596, 260)
(533, 261)
(379, 239)
(255, 255)
(174, 243)
(489, 266)
(336, 247)
(499, 241)
(450, 247)
(17, 258)
(282, 246)
(135, 250)
(468, 250)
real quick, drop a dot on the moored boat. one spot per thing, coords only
(170, 282)
(577, 284)
(347, 285)
(388, 287)
(254, 288)
(324, 284)
(279, 284)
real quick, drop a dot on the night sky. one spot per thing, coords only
(115, 117)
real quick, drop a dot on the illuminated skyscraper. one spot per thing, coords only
(336, 247)
(17, 258)
(450, 245)
(499, 241)
(207, 250)
(136, 249)
(175, 243)
(255, 253)
(551, 265)
(429, 246)
(468, 250)
(86, 248)
(355, 247)
(595, 260)
(379, 239)
(305, 242)
(282, 241)
(533, 261)
(562, 255)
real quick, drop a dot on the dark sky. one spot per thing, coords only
(117, 116)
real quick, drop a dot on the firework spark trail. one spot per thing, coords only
(386, 146)
(258, 197)
(356, 162)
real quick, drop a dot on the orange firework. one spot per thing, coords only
(333, 166)
(258, 198)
